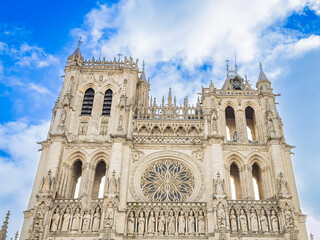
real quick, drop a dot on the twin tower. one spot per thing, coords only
(117, 164)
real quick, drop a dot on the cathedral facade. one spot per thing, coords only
(117, 164)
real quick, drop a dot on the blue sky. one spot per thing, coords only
(185, 45)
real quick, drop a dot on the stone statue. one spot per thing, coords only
(243, 221)
(83, 128)
(182, 223)
(109, 215)
(288, 218)
(201, 223)
(191, 226)
(76, 220)
(219, 185)
(221, 216)
(254, 221)
(55, 220)
(63, 117)
(96, 220)
(274, 221)
(120, 125)
(86, 222)
(264, 221)
(47, 183)
(151, 223)
(161, 223)
(233, 221)
(282, 186)
(66, 220)
(235, 136)
(141, 222)
(104, 128)
(131, 224)
(171, 223)
(113, 184)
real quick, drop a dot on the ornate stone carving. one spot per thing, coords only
(198, 155)
(47, 183)
(137, 155)
(282, 187)
(221, 216)
(219, 187)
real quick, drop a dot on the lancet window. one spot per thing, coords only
(76, 179)
(251, 124)
(256, 181)
(99, 181)
(235, 184)
(87, 102)
(230, 124)
(107, 102)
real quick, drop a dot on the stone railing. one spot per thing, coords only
(257, 217)
(169, 112)
(115, 64)
(153, 219)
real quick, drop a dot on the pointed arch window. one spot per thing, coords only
(107, 102)
(235, 184)
(230, 124)
(252, 132)
(256, 182)
(76, 179)
(99, 181)
(87, 102)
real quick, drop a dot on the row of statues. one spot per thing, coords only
(88, 221)
(166, 223)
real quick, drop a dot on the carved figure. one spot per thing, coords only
(161, 223)
(235, 136)
(282, 186)
(63, 117)
(233, 221)
(131, 223)
(141, 222)
(288, 218)
(182, 223)
(201, 223)
(171, 223)
(55, 220)
(221, 216)
(254, 221)
(76, 220)
(191, 226)
(47, 183)
(243, 221)
(151, 223)
(86, 222)
(109, 215)
(66, 220)
(83, 128)
(264, 221)
(104, 128)
(96, 220)
(219, 185)
(113, 184)
(120, 125)
(274, 221)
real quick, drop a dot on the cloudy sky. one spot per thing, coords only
(184, 43)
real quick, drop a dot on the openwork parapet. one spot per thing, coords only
(166, 219)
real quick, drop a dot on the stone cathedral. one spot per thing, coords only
(118, 164)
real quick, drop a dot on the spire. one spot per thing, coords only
(77, 52)
(143, 75)
(4, 228)
(235, 62)
(262, 76)
(169, 98)
(227, 66)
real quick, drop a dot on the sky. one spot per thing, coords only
(184, 44)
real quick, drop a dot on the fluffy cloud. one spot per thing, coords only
(194, 34)
(19, 158)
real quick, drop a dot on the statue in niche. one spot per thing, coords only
(131, 223)
(219, 185)
(282, 186)
(113, 184)
(120, 124)
(214, 118)
(151, 223)
(104, 128)
(233, 221)
(83, 128)
(109, 215)
(47, 183)
(201, 223)
(243, 221)
(254, 221)
(161, 223)
(274, 221)
(141, 222)
(288, 218)
(55, 220)
(86, 222)
(96, 220)
(63, 117)
(66, 220)
(235, 136)
(221, 216)
(182, 223)
(76, 220)
(264, 221)
(191, 226)
(171, 223)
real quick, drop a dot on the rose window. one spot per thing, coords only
(167, 181)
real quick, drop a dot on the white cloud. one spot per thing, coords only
(38, 88)
(18, 167)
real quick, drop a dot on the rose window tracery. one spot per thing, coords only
(167, 181)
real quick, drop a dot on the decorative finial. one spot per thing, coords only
(143, 65)
(235, 61)
(79, 42)
(260, 66)
(119, 55)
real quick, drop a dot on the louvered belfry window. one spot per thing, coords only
(106, 109)
(87, 102)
